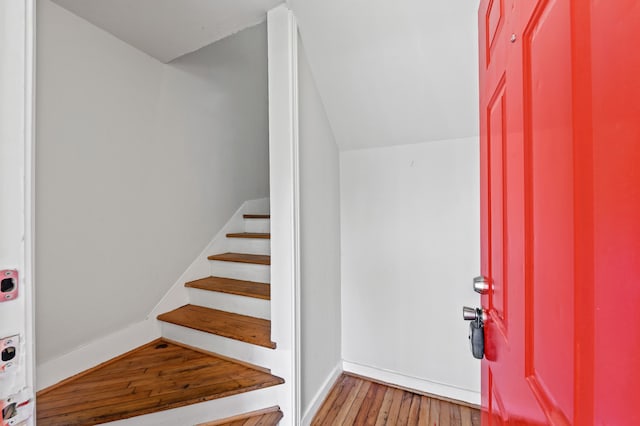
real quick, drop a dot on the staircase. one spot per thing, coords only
(213, 355)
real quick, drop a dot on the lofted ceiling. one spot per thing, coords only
(167, 29)
(393, 72)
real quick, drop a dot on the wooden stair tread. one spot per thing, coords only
(155, 377)
(256, 216)
(260, 235)
(258, 259)
(247, 329)
(267, 417)
(231, 286)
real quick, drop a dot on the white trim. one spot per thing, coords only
(17, 215)
(29, 183)
(297, 388)
(421, 385)
(283, 177)
(321, 395)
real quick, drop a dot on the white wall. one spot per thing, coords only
(410, 249)
(319, 239)
(403, 74)
(394, 72)
(139, 164)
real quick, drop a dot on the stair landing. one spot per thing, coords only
(158, 376)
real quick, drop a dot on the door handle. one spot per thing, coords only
(473, 314)
(469, 314)
(481, 284)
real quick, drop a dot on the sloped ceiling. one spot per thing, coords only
(393, 71)
(389, 72)
(167, 29)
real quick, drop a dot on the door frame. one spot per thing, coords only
(17, 159)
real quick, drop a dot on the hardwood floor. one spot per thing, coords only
(357, 401)
(158, 376)
(267, 417)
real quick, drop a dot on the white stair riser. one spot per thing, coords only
(243, 305)
(241, 271)
(257, 225)
(253, 354)
(207, 411)
(249, 245)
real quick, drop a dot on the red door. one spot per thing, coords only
(560, 165)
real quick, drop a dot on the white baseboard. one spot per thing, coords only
(421, 385)
(95, 352)
(321, 395)
(106, 347)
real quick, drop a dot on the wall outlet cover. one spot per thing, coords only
(9, 284)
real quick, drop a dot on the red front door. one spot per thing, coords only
(560, 165)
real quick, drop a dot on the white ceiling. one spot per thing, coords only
(390, 72)
(393, 72)
(167, 29)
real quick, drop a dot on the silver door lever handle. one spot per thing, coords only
(469, 314)
(473, 314)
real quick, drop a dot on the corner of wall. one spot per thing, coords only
(321, 395)
(94, 353)
(177, 295)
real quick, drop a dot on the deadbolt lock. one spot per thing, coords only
(481, 285)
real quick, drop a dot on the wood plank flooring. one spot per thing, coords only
(357, 401)
(248, 329)
(158, 376)
(258, 259)
(268, 417)
(231, 286)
